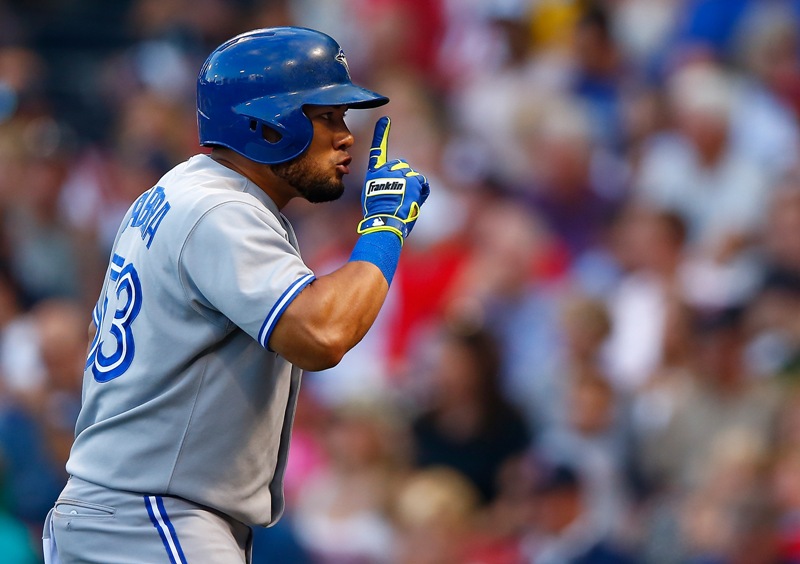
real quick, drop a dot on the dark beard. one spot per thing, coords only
(312, 184)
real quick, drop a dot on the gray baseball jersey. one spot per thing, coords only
(181, 395)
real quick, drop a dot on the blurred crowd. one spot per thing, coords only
(591, 350)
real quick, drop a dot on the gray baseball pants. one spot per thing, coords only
(92, 524)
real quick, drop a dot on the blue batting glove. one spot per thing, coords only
(393, 191)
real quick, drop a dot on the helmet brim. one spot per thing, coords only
(272, 108)
(348, 95)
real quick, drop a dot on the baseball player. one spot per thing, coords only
(208, 314)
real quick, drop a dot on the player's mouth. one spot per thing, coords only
(343, 167)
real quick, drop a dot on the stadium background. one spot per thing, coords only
(591, 348)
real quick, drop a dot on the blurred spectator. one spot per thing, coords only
(650, 247)
(465, 422)
(653, 407)
(695, 171)
(508, 283)
(600, 77)
(342, 511)
(727, 517)
(435, 511)
(21, 370)
(765, 123)
(480, 37)
(45, 256)
(22, 76)
(773, 313)
(60, 327)
(724, 397)
(575, 191)
(591, 436)
(501, 82)
(720, 191)
(36, 434)
(561, 530)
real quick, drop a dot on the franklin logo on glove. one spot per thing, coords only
(386, 186)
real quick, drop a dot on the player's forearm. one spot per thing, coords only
(330, 316)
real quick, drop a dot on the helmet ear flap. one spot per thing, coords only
(272, 142)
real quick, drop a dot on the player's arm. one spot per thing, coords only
(330, 316)
(333, 313)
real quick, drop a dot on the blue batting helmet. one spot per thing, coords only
(264, 78)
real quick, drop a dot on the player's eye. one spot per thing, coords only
(336, 113)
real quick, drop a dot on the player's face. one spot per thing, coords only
(318, 173)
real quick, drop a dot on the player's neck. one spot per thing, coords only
(259, 174)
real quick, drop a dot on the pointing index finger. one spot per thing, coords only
(380, 143)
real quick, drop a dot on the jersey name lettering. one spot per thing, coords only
(148, 213)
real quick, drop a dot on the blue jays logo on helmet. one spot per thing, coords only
(342, 59)
(263, 78)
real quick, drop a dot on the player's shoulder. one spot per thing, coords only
(203, 198)
(200, 186)
(202, 177)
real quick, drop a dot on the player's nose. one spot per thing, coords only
(344, 140)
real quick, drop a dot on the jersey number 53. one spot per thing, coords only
(113, 347)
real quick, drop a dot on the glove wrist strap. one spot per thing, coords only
(383, 222)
